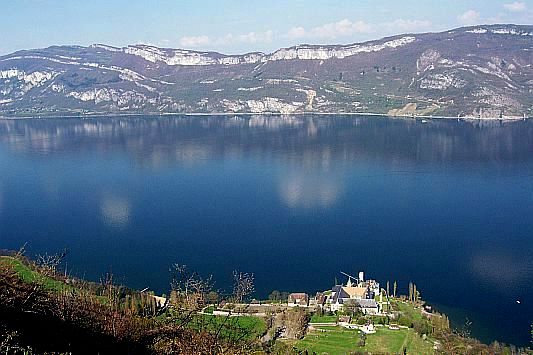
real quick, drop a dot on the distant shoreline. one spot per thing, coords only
(223, 114)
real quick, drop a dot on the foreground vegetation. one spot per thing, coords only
(43, 310)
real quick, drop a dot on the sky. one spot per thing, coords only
(231, 26)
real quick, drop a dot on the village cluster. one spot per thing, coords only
(356, 292)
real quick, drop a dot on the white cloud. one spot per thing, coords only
(194, 41)
(342, 28)
(517, 6)
(296, 32)
(250, 38)
(345, 28)
(470, 17)
(227, 40)
(402, 26)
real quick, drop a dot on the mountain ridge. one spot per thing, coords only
(480, 71)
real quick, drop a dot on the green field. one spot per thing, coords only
(247, 327)
(323, 319)
(31, 276)
(329, 340)
(407, 310)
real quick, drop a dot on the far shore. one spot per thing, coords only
(226, 114)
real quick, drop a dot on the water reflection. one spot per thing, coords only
(163, 141)
(310, 180)
(51, 187)
(272, 123)
(115, 211)
(305, 191)
(501, 269)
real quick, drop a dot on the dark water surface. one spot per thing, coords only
(448, 205)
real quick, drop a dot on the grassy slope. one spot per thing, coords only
(342, 341)
(253, 326)
(407, 310)
(30, 276)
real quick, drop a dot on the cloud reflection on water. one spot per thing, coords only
(310, 180)
(305, 191)
(115, 211)
(499, 268)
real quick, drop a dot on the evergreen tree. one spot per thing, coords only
(275, 296)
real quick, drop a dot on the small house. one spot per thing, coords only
(368, 306)
(298, 300)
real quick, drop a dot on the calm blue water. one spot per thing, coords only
(448, 205)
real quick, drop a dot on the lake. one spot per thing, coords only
(295, 200)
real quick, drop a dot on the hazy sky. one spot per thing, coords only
(233, 26)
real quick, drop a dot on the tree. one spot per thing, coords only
(440, 324)
(465, 331)
(190, 294)
(190, 288)
(295, 321)
(50, 262)
(496, 347)
(362, 339)
(417, 294)
(351, 307)
(212, 297)
(284, 296)
(243, 285)
(275, 296)
(531, 333)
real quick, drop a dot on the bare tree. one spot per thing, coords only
(10, 343)
(50, 262)
(296, 321)
(215, 334)
(243, 285)
(190, 289)
(466, 329)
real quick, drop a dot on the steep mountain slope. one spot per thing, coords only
(478, 72)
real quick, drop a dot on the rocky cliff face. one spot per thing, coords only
(477, 72)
